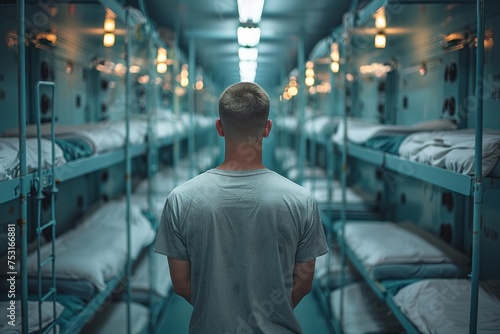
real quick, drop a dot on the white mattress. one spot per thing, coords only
(319, 189)
(360, 130)
(103, 136)
(161, 275)
(321, 125)
(362, 311)
(96, 250)
(452, 150)
(113, 319)
(287, 123)
(166, 128)
(441, 306)
(376, 243)
(9, 156)
(47, 316)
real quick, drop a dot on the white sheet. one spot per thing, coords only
(287, 123)
(9, 156)
(452, 150)
(321, 125)
(376, 242)
(359, 130)
(319, 189)
(441, 306)
(161, 275)
(47, 316)
(166, 128)
(96, 249)
(103, 136)
(362, 311)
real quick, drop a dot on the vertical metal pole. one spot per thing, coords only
(191, 104)
(302, 110)
(128, 169)
(176, 104)
(348, 24)
(152, 166)
(478, 185)
(330, 159)
(177, 112)
(23, 209)
(53, 192)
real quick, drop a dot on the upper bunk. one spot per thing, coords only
(401, 93)
(442, 155)
(106, 107)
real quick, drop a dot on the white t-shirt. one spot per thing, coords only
(243, 231)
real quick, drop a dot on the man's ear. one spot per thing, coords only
(218, 126)
(267, 128)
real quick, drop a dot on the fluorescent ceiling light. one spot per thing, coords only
(248, 36)
(248, 53)
(250, 77)
(250, 11)
(248, 66)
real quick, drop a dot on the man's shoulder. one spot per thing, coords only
(289, 186)
(190, 185)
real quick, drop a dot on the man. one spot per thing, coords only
(241, 240)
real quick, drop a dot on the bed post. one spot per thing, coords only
(23, 210)
(478, 174)
(128, 167)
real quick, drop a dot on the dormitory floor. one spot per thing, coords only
(176, 318)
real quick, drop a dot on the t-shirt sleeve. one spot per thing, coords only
(169, 240)
(313, 240)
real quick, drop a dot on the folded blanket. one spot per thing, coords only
(452, 150)
(359, 131)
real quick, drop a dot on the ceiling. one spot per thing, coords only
(212, 25)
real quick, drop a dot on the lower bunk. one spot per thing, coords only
(398, 277)
(41, 316)
(90, 266)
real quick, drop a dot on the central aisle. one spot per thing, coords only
(176, 317)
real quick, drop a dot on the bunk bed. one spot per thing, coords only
(36, 158)
(386, 257)
(91, 261)
(436, 143)
(420, 154)
(320, 180)
(95, 250)
(361, 311)
(10, 162)
(7, 325)
(442, 305)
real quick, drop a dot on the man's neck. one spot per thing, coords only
(234, 165)
(244, 156)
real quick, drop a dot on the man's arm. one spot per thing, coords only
(180, 273)
(303, 274)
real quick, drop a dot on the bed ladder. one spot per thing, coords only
(45, 180)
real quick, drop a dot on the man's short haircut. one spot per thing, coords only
(243, 108)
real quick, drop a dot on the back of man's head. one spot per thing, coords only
(243, 109)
